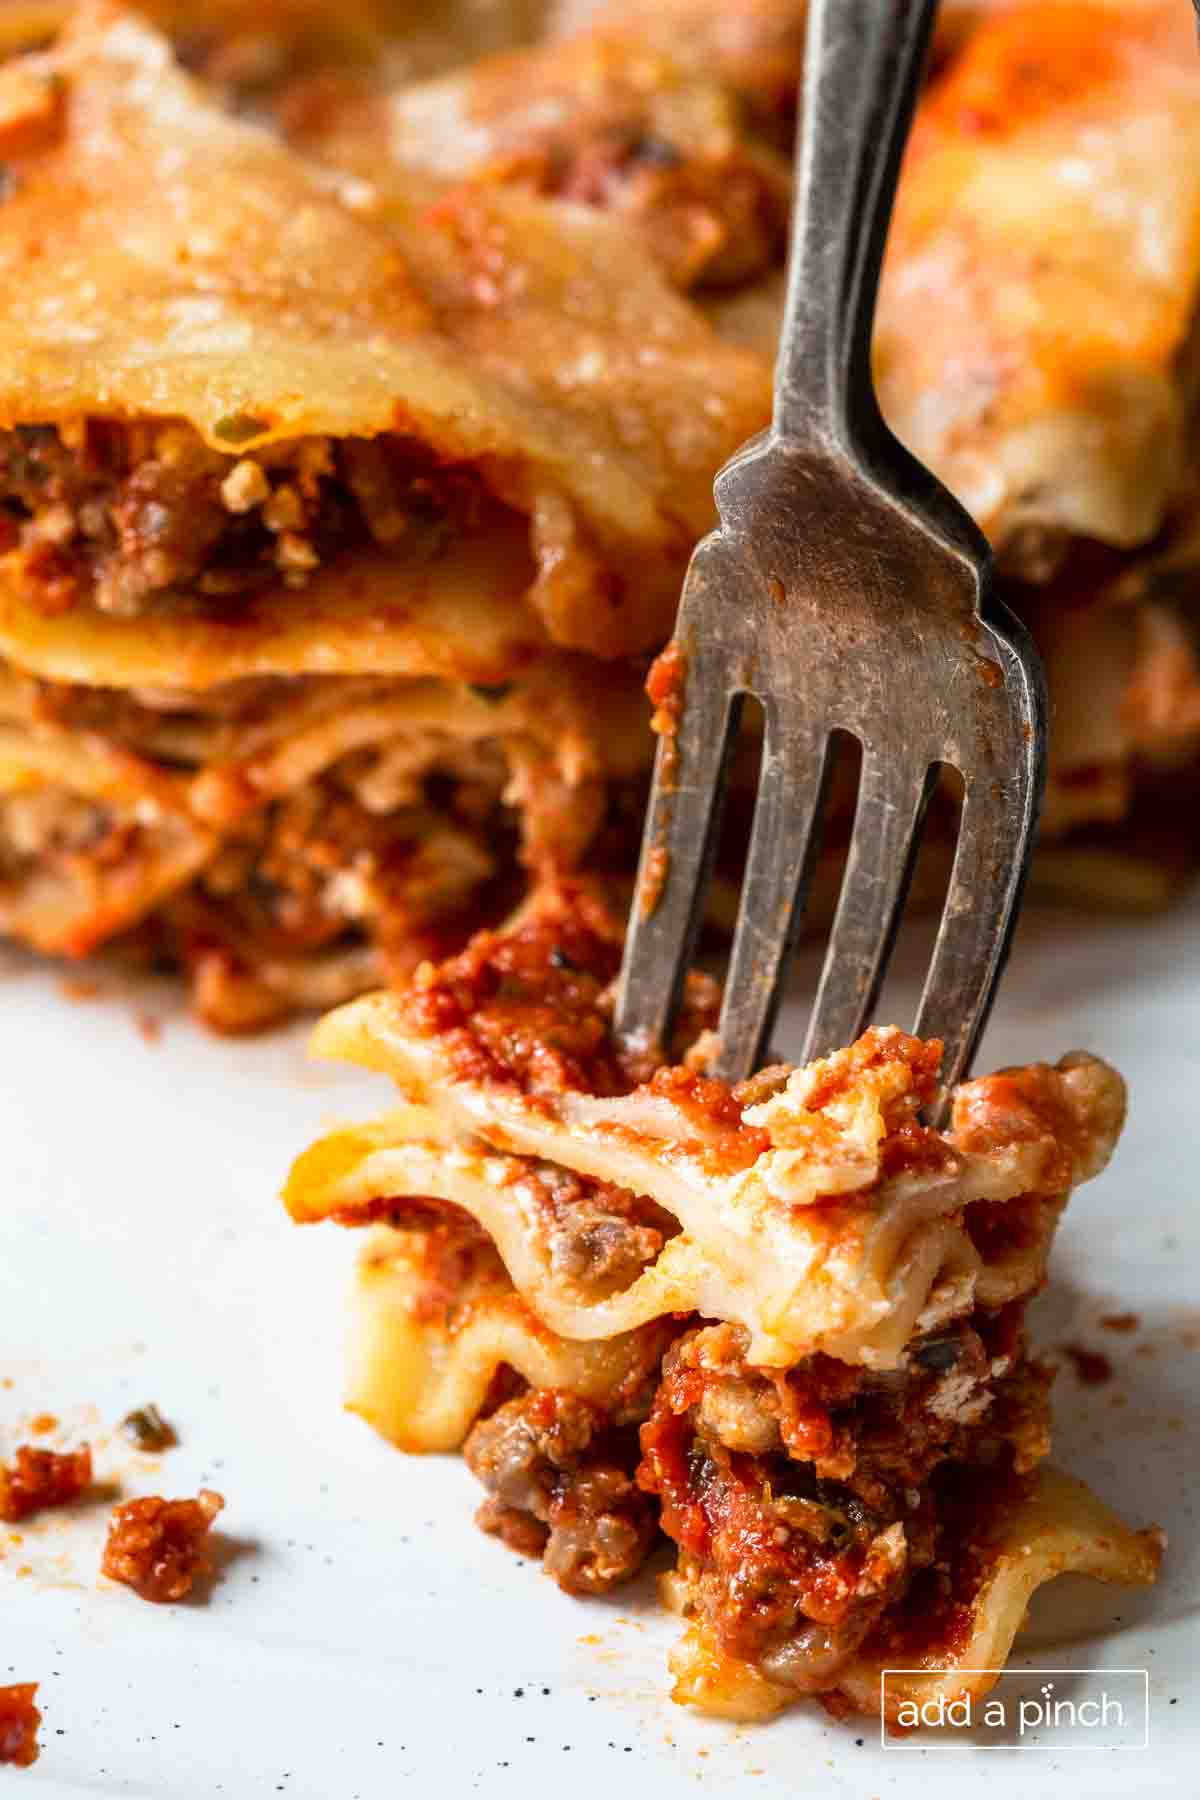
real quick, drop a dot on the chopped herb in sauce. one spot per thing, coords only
(239, 428)
(146, 1429)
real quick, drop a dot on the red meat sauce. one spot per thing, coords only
(665, 687)
(595, 1235)
(783, 1489)
(932, 1622)
(449, 1248)
(523, 1010)
(1091, 1367)
(36, 1480)
(1016, 1105)
(530, 1010)
(1003, 1228)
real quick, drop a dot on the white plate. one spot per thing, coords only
(363, 1635)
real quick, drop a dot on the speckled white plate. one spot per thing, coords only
(363, 1636)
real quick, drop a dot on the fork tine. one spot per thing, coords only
(1001, 806)
(973, 937)
(684, 813)
(783, 846)
(883, 846)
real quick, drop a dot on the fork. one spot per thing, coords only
(848, 592)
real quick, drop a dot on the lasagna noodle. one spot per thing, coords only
(88, 796)
(111, 805)
(753, 46)
(420, 1372)
(527, 344)
(254, 45)
(856, 1280)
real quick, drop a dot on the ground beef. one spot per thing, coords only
(19, 1721)
(320, 873)
(158, 1547)
(598, 1236)
(48, 825)
(126, 517)
(38, 1479)
(561, 1487)
(789, 1572)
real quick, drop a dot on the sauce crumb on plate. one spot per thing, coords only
(19, 1721)
(158, 1547)
(38, 1479)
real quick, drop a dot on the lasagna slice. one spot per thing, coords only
(290, 841)
(333, 526)
(1036, 346)
(1049, 219)
(780, 1323)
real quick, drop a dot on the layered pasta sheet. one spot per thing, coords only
(780, 1323)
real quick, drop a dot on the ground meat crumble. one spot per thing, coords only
(158, 1547)
(562, 1488)
(38, 1479)
(122, 517)
(19, 1721)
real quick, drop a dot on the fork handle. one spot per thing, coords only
(862, 71)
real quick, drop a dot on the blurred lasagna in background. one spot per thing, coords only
(336, 521)
(780, 1324)
(362, 389)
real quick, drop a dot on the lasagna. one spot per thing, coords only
(334, 522)
(778, 1325)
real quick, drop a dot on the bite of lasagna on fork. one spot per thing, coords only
(781, 1323)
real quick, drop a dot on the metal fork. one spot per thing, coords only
(849, 592)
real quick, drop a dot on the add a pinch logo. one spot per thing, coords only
(1015, 1709)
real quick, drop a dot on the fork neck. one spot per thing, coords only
(862, 71)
